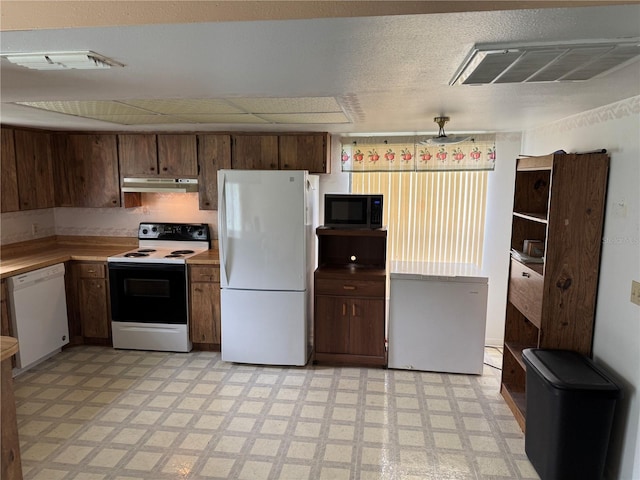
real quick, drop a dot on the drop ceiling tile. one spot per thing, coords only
(309, 118)
(84, 108)
(287, 104)
(138, 119)
(223, 118)
(186, 105)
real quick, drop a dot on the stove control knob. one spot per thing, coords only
(145, 231)
(199, 233)
(154, 229)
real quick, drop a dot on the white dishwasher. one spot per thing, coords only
(437, 317)
(38, 309)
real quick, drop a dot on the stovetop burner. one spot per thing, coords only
(137, 254)
(167, 243)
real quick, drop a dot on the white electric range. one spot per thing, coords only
(148, 287)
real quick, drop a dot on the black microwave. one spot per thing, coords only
(352, 211)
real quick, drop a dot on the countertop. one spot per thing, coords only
(51, 252)
(8, 347)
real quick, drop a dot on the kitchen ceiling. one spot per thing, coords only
(365, 75)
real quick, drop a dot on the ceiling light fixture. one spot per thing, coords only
(544, 62)
(442, 138)
(85, 60)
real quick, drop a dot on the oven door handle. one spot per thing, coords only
(222, 228)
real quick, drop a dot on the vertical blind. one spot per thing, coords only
(430, 217)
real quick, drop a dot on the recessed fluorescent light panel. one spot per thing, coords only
(259, 110)
(85, 60)
(495, 63)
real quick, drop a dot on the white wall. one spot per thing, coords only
(616, 346)
(497, 233)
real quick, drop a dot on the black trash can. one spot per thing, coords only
(570, 406)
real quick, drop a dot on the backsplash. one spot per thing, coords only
(108, 222)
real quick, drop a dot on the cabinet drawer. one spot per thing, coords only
(91, 270)
(204, 274)
(356, 288)
(525, 291)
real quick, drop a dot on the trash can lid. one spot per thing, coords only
(569, 370)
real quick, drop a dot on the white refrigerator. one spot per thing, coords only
(266, 238)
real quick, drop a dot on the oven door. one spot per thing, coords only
(148, 293)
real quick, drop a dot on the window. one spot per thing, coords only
(430, 217)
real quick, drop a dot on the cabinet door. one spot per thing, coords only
(205, 312)
(331, 324)
(94, 316)
(138, 155)
(9, 200)
(257, 152)
(63, 170)
(366, 327)
(214, 153)
(177, 155)
(304, 152)
(34, 169)
(93, 161)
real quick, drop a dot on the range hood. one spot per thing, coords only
(159, 185)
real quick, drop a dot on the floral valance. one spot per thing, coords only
(379, 154)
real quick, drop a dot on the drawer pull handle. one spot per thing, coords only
(526, 274)
(344, 309)
(353, 309)
(91, 271)
(348, 287)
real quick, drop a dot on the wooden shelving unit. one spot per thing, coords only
(559, 200)
(350, 286)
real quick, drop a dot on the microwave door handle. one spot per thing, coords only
(222, 227)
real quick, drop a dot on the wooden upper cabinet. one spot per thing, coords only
(177, 155)
(9, 200)
(92, 170)
(305, 152)
(214, 153)
(138, 155)
(34, 169)
(257, 152)
(143, 155)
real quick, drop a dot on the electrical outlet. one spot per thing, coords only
(635, 292)
(34, 229)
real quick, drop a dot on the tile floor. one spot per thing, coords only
(95, 413)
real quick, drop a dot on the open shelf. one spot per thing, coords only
(534, 217)
(516, 401)
(516, 350)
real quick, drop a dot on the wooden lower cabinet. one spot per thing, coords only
(349, 321)
(88, 299)
(350, 326)
(204, 307)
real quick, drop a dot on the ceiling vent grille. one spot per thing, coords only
(488, 64)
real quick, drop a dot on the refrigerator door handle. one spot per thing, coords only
(222, 228)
